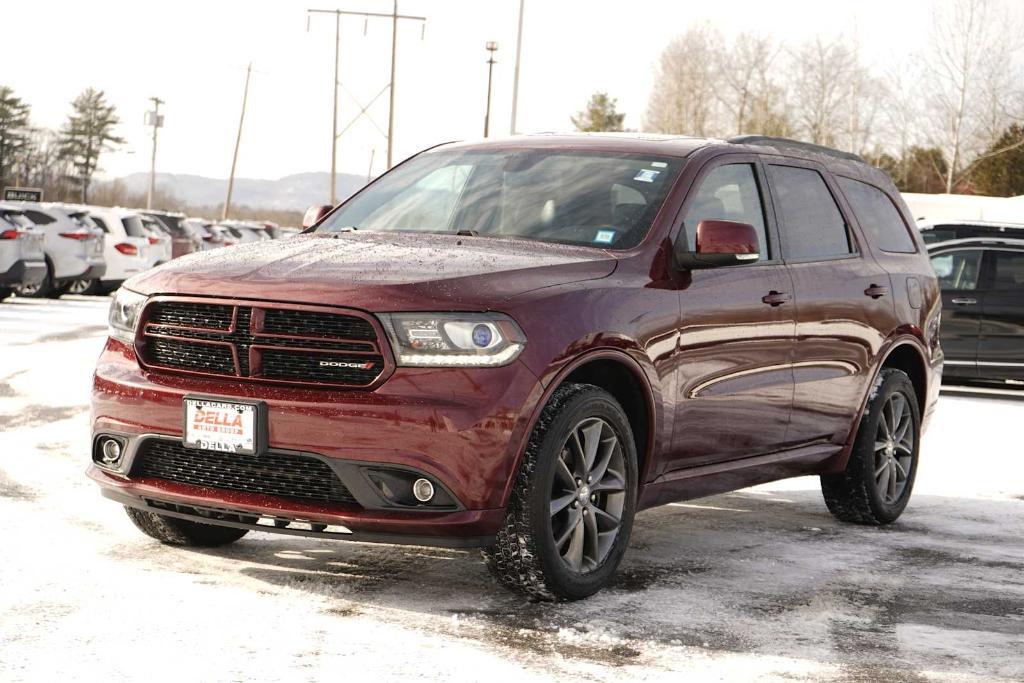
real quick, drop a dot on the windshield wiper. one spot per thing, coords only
(467, 233)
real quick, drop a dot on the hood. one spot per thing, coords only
(378, 271)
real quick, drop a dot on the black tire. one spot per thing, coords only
(46, 288)
(855, 495)
(174, 531)
(5, 292)
(525, 556)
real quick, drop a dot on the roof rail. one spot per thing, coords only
(768, 141)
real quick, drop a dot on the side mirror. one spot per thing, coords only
(721, 243)
(314, 214)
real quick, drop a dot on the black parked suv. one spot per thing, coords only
(982, 282)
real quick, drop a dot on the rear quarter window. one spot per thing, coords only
(39, 218)
(878, 216)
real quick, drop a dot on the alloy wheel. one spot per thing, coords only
(79, 286)
(588, 495)
(894, 448)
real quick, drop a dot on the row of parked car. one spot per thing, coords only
(980, 266)
(50, 249)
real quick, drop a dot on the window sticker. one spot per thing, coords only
(646, 175)
(604, 236)
(659, 164)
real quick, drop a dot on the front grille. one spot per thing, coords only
(262, 342)
(284, 475)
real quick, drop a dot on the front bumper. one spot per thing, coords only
(24, 273)
(462, 428)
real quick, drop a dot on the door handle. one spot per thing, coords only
(774, 298)
(964, 301)
(876, 291)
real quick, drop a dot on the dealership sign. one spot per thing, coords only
(23, 194)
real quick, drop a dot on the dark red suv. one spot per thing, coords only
(519, 344)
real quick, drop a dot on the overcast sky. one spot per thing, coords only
(193, 55)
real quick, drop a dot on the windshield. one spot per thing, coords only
(595, 199)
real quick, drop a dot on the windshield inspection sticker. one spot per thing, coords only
(646, 175)
(604, 236)
(658, 164)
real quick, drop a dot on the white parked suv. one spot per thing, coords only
(127, 247)
(72, 244)
(159, 239)
(21, 251)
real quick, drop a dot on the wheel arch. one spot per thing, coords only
(903, 353)
(624, 378)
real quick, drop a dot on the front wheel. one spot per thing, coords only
(875, 487)
(175, 531)
(5, 292)
(571, 511)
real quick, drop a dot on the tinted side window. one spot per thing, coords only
(729, 193)
(958, 270)
(878, 216)
(811, 220)
(1008, 267)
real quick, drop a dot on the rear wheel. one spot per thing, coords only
(879, 477)
(571, 511)
(174, 531)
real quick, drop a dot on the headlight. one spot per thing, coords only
(450, 340)
(124, 315)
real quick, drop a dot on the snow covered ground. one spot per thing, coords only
(761, 584)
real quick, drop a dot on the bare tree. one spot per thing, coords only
(972, 79)
(821, 74)
(684, 96)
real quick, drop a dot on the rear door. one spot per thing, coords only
(959, 273)
(735, 387)
(1001, 339)
(844, 308)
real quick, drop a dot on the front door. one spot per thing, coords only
(959, 274)
(735, 386)
(1001, 342)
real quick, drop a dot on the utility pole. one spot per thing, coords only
(391, 92)
(153, 118)
(515, 76)
(238, 142)
(492, 47)
(394, 16)
(334, 120)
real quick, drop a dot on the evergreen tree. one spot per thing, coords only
(13, 132)
(599, 116)
(999, 171)
(88, 132)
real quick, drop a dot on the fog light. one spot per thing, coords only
(423, 490)
(111, 452)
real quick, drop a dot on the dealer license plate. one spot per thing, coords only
(220, 426)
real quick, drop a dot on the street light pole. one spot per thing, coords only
(492, 47)
(155, 120)
(515, 76)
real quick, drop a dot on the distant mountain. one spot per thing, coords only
(291, 193)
